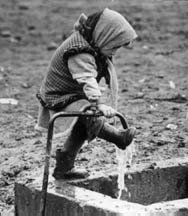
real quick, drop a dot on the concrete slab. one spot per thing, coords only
(78, 198)
(167, 181)
(73, 201)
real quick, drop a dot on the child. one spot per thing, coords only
(72, 80)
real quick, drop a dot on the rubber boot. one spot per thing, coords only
(121, 138)
(65, 166)
(65, 157)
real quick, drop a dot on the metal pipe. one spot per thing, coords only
(49, 147)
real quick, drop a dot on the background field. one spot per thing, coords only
(153, 81)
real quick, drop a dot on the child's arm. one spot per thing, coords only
(83, 69)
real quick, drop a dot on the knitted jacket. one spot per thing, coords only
(59, 88)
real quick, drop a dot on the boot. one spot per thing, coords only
(121, 138)
(65, 157)
(65, 166)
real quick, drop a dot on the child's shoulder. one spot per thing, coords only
(78, 39)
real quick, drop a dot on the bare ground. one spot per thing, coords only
(153, 81)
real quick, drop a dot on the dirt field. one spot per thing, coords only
(153, 81)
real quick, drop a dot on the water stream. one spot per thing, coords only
(124, 159)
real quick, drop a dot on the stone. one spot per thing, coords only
(52, 46)
(171, 126)
(5, 33)
(23, 7)
(31, 27)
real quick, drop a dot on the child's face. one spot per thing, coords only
(113, 51)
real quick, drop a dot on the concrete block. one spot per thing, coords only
(157, 192)
(71, 201)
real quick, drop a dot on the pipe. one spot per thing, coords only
(49, 147)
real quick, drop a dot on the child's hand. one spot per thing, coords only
(107, 110)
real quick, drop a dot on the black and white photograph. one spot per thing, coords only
(94, 108)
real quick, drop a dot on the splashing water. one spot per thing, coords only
(124, 158)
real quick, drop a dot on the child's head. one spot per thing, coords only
(112, 32)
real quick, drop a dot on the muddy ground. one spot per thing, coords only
(153, 81)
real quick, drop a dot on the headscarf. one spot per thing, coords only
(112, 30)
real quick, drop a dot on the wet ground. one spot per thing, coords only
(153, 81)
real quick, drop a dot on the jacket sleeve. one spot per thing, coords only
(83, 69)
